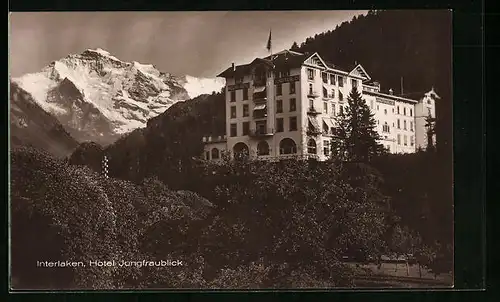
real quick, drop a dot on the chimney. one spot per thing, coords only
(377, 84)
(234, 67)
(391, 92)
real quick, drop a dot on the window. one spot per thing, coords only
(392, 110)
(310, 89)
(233, 111)
(371, 104)
(310, 74)
(293, 123)
(261, 127)
(405, 140)
(293, 104)
(325, 93)
(412, 140)
(399, 139)
(404, 110)
(311, 103)
(279, 106)
(398, 109)
(279, 125)
(246, 128)
(341, 108)
(215, 153)
(326, 148)
(324, 75)
(279, 89)
(207, 155)
(378, 108)
(288, 146)
(341, 81)
(332, 95)
(238, 80)
(399, 124)
(325, 107)
(429, 102)
(311, 146)
(245, 93)
(332, 79)
(385, 128)
(233, 130)
(411, 112)
(354, 83)
(233, 96)
(404, 125)
(333, 108)
(385, 111)
(263, 148)
(429, 111)
(341, 96)
(245, 110)
(292, 87)
(411, 126)
(285, 73)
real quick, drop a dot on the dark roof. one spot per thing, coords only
(284, 59)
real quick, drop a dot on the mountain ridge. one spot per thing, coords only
(98, 97)
(30, 125)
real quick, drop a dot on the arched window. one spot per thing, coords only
(215, 153)
(288, 146)
(311, 146)
(263, 148)
(240, 150)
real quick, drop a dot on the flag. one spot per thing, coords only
(269, 42)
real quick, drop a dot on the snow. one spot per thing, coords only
(104, 53)
(198, 86)
(108, 90)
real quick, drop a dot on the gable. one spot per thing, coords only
(316, 60)
(359, 71)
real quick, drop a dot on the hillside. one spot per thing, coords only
(30, 125)
(413, 44)
(98, 97)
(68, 212)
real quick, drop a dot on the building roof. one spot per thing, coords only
(290, 59)
(390, 96)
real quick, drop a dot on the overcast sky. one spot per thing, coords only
(196, 43)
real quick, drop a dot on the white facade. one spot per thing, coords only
(290, 110)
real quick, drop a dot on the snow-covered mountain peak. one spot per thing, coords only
(96, 95)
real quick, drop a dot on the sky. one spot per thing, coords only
(200, 44)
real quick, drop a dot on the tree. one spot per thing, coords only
(295, 46)
(430, 127)
(357, 139)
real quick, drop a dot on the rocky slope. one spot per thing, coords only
(30, 125)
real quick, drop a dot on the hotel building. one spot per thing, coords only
(287, 105)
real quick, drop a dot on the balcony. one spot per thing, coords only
(260, 95)
(261, 132)
(312, 94)
(313, 131)
(312, 111)
(214, 139)
(258, 82)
